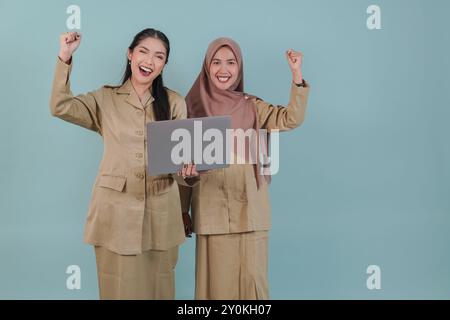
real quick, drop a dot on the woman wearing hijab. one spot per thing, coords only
(230, 207)
(134, 220)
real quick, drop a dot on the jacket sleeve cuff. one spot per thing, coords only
(300, 91)
(63, 70)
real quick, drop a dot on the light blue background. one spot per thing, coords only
(364, 181)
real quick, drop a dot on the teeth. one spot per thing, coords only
(223, 79)
(146, 69)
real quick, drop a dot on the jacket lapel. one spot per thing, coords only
(133, 99)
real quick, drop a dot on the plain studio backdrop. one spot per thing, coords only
(363, 182)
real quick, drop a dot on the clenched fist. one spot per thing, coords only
(69, 42)
(294, 59)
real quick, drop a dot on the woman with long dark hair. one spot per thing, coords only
(134, 220)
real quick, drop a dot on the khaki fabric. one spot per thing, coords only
(232, 266)
(129, 211)
(149, 275)
(227, 200)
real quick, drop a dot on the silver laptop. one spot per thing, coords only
(174, 142)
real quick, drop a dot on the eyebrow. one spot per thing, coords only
(216, 59)
(160, 52)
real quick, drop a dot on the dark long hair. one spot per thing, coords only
(161, 106)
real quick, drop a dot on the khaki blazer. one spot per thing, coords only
(227, 200)
(129, 211)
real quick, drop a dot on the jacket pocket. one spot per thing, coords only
(160, 186)
(112, 182)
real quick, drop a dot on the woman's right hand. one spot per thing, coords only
(188, 171)
(69, 42)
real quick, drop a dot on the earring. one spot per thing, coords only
(129, 62)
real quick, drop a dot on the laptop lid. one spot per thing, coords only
(174, 142)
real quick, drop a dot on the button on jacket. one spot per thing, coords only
(227, 200)
(129, 211)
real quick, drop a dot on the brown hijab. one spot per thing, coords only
(205, 99)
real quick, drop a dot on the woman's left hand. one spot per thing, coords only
(294, 59)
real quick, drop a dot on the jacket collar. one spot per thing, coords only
(133, 98)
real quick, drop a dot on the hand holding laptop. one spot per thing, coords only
(188, 171)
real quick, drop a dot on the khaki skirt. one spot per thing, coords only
(150, 275)
(232, 266)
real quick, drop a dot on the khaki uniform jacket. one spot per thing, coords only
(227, 200)
(129, 211)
